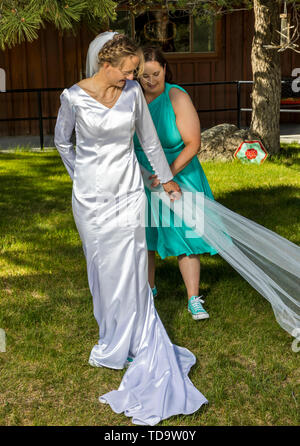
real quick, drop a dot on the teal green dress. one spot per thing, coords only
(171, 241)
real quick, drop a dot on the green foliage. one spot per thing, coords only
(99, 11)
(20, 19)
(63, 14)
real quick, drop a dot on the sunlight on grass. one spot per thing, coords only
(245, 365)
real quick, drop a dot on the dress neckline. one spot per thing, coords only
(160, 95)
(100, 103)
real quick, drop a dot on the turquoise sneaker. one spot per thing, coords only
(196, 309)
(154, 291)
(128, 362)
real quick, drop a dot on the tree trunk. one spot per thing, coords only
(266, 69)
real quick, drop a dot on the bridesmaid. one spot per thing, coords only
(178, 128)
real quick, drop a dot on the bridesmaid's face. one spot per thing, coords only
(153, 78)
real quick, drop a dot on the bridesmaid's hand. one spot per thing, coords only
(173, 190)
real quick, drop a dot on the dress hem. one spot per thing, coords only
(186, 253)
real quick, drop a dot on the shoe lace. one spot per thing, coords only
(196, 303)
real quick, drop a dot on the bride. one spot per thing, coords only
(108, 202)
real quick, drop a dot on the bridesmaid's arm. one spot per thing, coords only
(149, 140)
(63, 131)
(188, 125)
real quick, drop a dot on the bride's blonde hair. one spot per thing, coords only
(119, 47)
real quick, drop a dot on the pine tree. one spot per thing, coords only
(20, 19)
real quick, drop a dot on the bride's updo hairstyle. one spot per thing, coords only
(119, 47)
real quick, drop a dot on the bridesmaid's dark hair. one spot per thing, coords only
(154, 54)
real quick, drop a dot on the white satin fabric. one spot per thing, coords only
(108, 188)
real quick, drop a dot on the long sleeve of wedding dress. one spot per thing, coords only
(63, 132)
(149, 140)
(108, 200)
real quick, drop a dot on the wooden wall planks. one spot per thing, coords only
(56, 60)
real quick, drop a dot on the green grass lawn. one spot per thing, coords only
(245, 364)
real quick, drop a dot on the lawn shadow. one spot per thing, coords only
(288, 156)
(47, 192)
(31, 194)
(276, 208)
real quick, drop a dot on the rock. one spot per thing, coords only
(221, 142)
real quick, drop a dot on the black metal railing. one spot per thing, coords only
(40, 116)
(238, 109)
(238, 96)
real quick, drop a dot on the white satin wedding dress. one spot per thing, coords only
(108, 190)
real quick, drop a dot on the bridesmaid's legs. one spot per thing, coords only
(151, 268)
(190, 270)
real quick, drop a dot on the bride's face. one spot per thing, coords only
(153, 77)
(118, 75)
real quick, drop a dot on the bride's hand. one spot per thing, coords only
(173, 190)
(155, 181)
